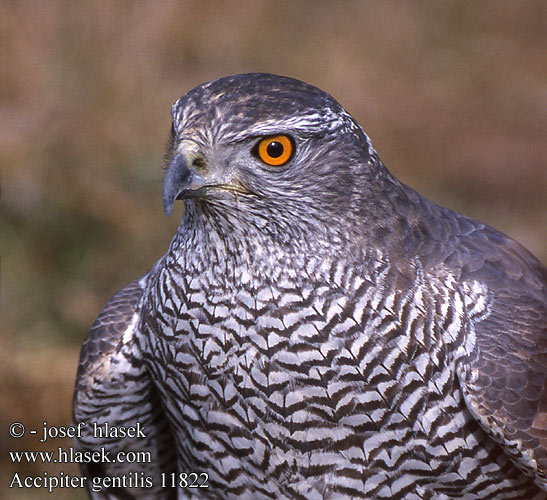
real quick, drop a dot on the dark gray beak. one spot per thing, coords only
(179, 182)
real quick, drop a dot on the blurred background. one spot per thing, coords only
(452, 93)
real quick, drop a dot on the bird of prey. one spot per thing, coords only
(316, 329)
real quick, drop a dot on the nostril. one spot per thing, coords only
(198, 163)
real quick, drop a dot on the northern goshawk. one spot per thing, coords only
(316, 329)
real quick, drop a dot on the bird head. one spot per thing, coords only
(270, 146)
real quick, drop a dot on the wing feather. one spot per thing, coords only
(113, 387)
(506, 386)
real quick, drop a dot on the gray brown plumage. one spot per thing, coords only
(317, 329)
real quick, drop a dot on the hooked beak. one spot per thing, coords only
(179, 182)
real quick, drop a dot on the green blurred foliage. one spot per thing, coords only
(452, 93)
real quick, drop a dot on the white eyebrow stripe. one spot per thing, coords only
(306, 124)
(303, 123)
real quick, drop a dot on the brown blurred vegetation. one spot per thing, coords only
(453, 94)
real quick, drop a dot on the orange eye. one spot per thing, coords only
(276, 150)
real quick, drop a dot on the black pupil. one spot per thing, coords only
(275, 149)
